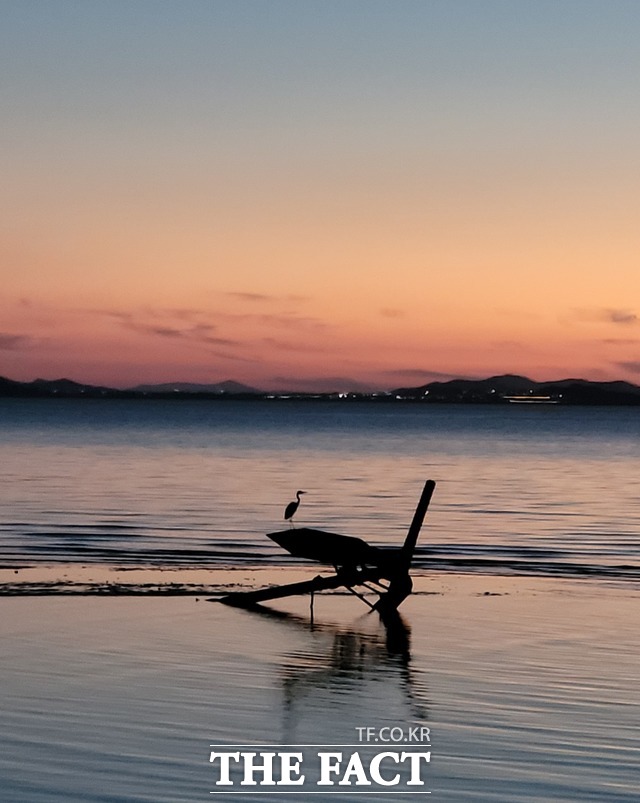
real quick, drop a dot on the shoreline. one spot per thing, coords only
(112, 580)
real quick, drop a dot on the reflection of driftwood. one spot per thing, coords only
(384, 572)
(352, 658)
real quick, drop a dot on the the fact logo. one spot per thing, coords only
(318, 767)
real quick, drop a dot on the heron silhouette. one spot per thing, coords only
(292, 507)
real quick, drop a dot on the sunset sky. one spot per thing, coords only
(314, 194)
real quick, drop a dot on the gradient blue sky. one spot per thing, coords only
(319, 194)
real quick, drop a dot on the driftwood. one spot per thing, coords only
(383, 571)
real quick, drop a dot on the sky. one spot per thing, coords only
(319, 194)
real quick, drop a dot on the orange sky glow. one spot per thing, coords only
(314, 196)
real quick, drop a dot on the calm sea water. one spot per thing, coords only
(529, 697)
(544, 490)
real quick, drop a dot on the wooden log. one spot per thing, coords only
(245, 599)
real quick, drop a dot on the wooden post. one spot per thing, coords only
(401, 584)
(411, 540)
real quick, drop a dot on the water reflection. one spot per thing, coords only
(348, 675)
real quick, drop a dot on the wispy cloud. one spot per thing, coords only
(278, 320)
(421, 374)
(172, 324)
(232, 331)
(291, 321)
(633, 366)
(278, 311)
(199, 333)
(392, 312)
(9, 342)
(615, 315)
(621, 341)
(288, 298)
(286, 345)
(162, 331)
(622, 316)
(234, 356)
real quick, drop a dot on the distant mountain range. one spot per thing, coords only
(511, 388)
(506, 389)
(67, 388)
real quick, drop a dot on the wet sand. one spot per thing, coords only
(78, 579)
(528, 686)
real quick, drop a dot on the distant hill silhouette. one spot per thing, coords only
(51, 387)
(67, 388)
(503, 389)
(509, 387)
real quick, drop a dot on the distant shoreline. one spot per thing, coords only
(337, 398)
(499, 390)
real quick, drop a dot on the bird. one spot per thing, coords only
(293, 506)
